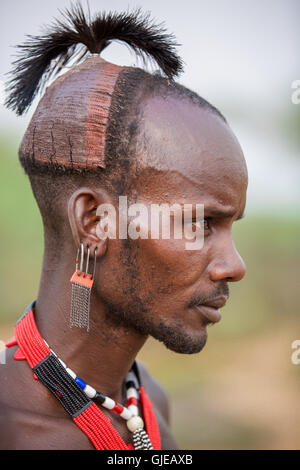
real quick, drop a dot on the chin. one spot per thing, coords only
(180, 340)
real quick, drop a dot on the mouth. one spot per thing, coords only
(210, 311)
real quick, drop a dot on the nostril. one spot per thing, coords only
(228, 272)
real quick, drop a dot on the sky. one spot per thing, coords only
(241, 55)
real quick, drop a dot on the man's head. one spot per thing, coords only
(187, 155)
(163, 144)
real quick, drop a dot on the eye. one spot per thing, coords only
(203, 224)
(206, 223)
(197, 224)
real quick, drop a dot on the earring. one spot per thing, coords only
(82, 283)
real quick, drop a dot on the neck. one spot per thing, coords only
(102, 356)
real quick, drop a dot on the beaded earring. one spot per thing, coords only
(82, 283)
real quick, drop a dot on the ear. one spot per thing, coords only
(83, 220)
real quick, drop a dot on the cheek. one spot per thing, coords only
(167, 262)
(113, 276)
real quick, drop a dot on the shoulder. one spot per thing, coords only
(155, 391)
(26, 418)
(24, 430)
(160, 401)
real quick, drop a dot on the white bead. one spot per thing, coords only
(135, 423)
(131, 393)
(109, 403)
(134, 410)
(126, 414)
(71, 373)
(62, 363)
(89, 391)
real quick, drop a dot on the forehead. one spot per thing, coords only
(190, 151)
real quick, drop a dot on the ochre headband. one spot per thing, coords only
(73, 135)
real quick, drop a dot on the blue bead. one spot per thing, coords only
(80, 382)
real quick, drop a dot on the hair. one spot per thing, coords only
(36, 66)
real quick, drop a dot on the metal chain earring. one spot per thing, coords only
(82, 283)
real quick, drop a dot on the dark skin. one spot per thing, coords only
(142, 288)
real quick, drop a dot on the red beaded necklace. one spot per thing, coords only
(84, 412)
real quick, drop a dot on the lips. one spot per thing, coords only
(218, 302)
(210, 311)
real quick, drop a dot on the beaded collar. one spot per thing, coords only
(79, 399)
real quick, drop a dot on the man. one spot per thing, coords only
(100, 132)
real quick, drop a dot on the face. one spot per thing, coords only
(187, 155)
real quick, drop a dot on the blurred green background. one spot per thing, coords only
(242, 391)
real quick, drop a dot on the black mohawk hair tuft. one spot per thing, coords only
(42, 57)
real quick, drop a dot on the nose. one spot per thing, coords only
(227, 265)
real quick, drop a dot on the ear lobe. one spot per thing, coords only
(83, 220)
